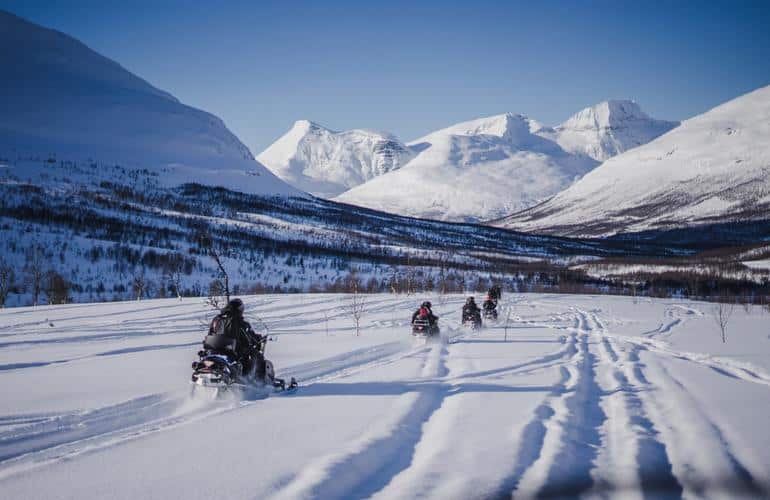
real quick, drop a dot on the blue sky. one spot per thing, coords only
(413, 67)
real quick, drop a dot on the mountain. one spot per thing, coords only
(607, 129)
(712, 169)
(63, 101)
(327, 163)
(473, 171)
(488, 168)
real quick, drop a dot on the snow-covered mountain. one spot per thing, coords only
(326, 163)
(473, 171)
(487, 168)
(62, 100)
(607, 129)
(714, 168)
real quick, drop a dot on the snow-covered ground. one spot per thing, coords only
(586, 394)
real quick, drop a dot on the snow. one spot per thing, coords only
(327, 163)
(711, 169)
(583, 395)
(473, 171)
(490, 167)
(62, 100)
(608, 129)
(757, 264)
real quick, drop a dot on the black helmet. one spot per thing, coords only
(426, 304)
(469, 300)
(235, 305)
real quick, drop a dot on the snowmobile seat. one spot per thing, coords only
(219, 343)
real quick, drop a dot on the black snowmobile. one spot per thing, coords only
(218, 367)
(490, 309)
(472, 320)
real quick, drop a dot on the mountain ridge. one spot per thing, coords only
(714, 167)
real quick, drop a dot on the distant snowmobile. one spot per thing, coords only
(471, 317)
(490, 308)
(425, 323)
(472, 321)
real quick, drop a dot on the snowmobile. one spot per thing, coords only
(472, 320)
(424, 329)
(490, 313)
(218, 368)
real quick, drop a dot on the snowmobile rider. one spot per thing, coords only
(490, 305)
(470, 309)
(425, 312)
(248, 343)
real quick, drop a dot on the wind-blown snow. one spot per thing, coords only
(714, 168)
(64, 101)
(490, 167)
(582, 395)
(326, 163)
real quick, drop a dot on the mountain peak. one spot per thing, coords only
(606, 129)
(606, 114)
(326, 163)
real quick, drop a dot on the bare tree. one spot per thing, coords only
(222, 273)
(7, 276)
(507, 321)
(357, 304)
(216, 295)
(722, 313)
(174, 273)
(139, 285)
(35, 273)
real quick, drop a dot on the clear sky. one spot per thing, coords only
(411, 67)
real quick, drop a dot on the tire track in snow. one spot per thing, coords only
(369, 464)
(702, 458)
(36, 440)
(532, 438)
(661, 474)
(634, 458)
(570, 470)
(538, 437)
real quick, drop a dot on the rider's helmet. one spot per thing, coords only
(469, 300)
(235, 305)
(426, 304)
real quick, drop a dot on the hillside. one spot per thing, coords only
(63, 101)
(714, 169)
